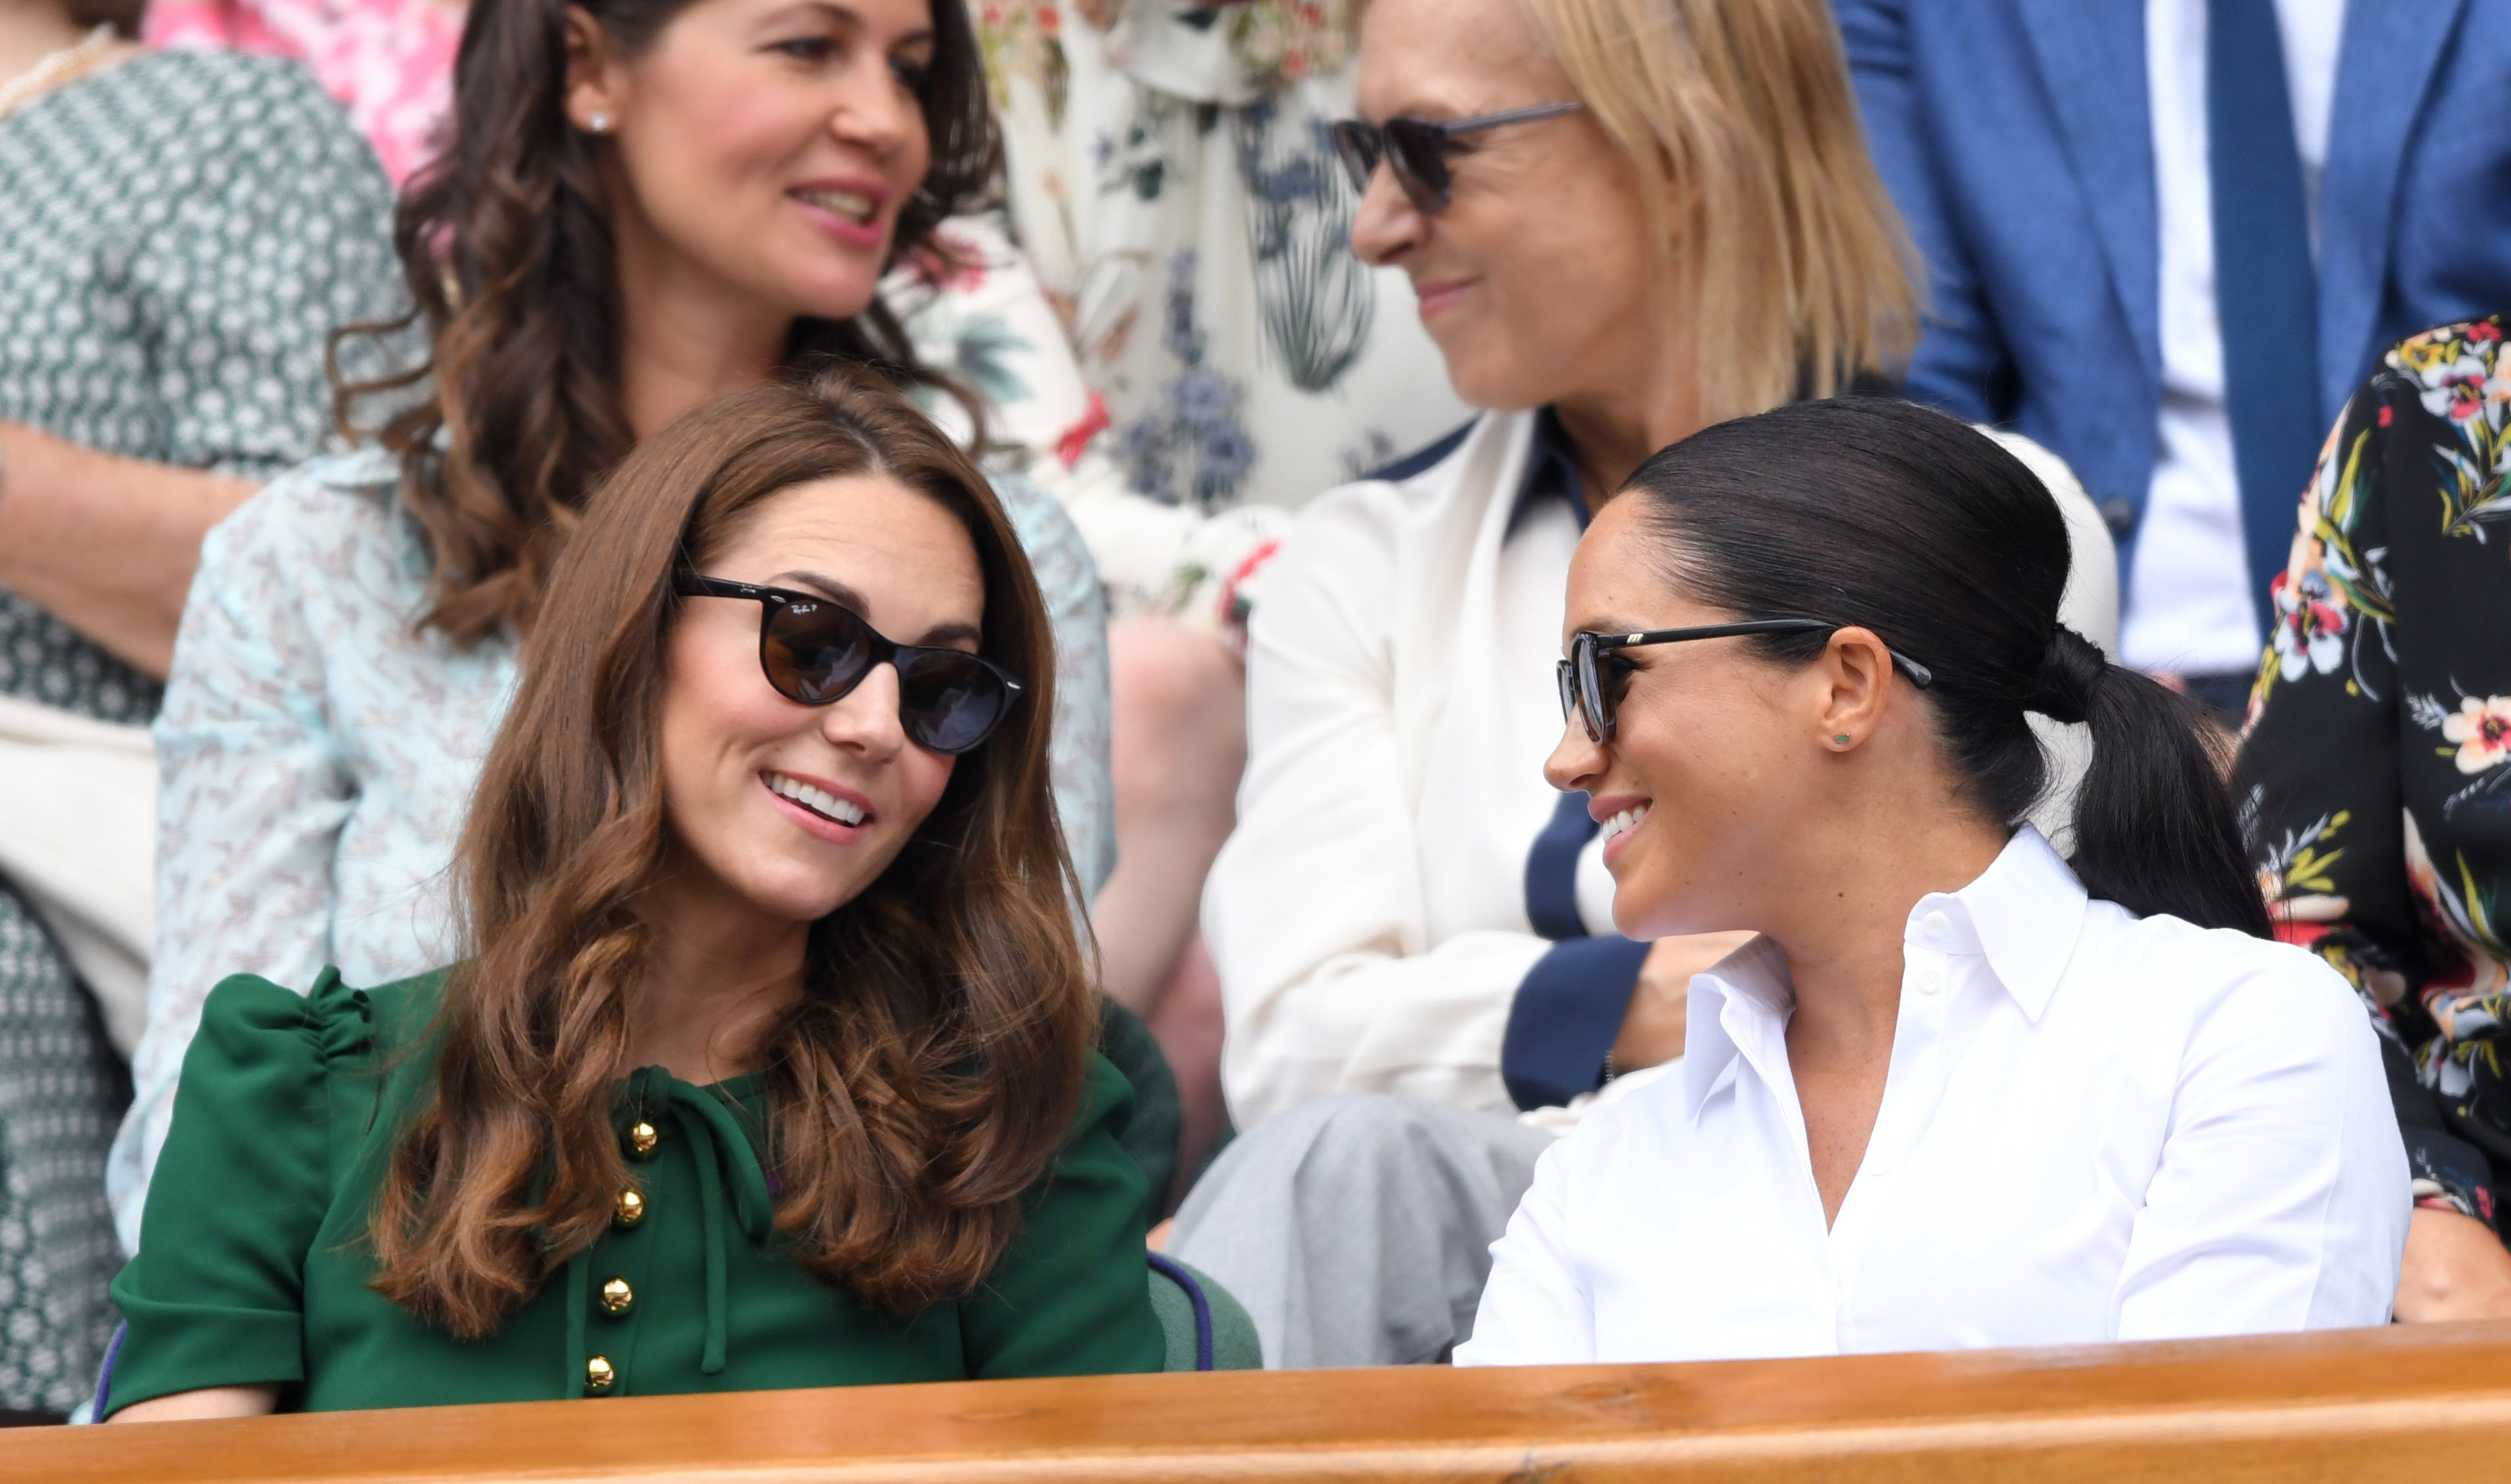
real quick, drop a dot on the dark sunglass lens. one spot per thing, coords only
(1612, 681)
(1419, 151)
(1591, 695)
(949, 702)
(1355, 143)
(815, 651)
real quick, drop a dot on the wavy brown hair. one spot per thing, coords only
(926, 1077)
(505, 241)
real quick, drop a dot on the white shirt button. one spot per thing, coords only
(1931, 981)
(1935, 924)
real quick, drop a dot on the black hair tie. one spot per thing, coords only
(2070, 670)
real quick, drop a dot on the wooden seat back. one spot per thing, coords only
(2407, 1403)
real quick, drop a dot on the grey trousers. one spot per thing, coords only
(1357, 1229)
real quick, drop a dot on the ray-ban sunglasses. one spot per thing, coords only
(816, 651)
(1592, 686)
(1416, 150)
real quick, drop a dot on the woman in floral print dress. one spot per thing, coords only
(2378, 749)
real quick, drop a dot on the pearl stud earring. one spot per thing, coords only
(600, 123)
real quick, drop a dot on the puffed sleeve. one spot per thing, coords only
(216, 1296)
(1072, 1296)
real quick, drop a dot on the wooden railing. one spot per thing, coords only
(2420, 1404)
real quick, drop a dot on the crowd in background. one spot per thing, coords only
(1287, 358)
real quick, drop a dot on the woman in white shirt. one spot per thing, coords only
(1661, 214)
(1958, 1092)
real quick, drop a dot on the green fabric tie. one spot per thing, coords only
(718, 1142)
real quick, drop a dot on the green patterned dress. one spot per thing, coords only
(179, 234)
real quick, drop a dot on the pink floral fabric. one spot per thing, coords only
(389, 62)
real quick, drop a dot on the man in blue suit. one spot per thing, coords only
(2166, 238)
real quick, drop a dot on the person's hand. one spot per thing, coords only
(1652, 1028)
(2456, 1268)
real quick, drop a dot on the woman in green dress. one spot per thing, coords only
(768, 1060)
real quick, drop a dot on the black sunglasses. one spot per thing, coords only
(816, 652)
(1416, 150)
(1590, 694)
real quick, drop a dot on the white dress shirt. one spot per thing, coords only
(2094, 1128)
(2188, 605)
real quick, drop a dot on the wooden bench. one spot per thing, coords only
(2422, 1404)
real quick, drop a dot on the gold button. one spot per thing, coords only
(642, 1137)
(629, 1210)
(617, 1298)
(599, 1377)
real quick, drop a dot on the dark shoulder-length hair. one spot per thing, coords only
(505, 239)
(926, 1077)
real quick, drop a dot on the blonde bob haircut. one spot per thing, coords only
(1798, 270)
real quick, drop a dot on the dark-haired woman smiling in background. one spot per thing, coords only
(641, 205)
(768, 1060)
(1960, 1091)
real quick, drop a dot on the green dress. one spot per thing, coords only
(253, 1269)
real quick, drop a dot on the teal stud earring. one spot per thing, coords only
(1841, 739)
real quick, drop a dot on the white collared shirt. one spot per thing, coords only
(2095, 1127)
(2189, 609)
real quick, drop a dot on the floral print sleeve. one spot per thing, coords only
(2378, 746)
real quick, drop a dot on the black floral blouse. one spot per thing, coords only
(2378, 746)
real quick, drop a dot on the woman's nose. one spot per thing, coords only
(865, 720)
(1387, 224)
(1577, 762)
(876, 110)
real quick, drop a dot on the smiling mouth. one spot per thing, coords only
(1624, 822)
(853, 205)
(819, 801)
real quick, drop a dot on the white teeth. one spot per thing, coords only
(1625, 821)
(843, 203)
(818, 801)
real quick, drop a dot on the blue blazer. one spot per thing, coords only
(2014, 135)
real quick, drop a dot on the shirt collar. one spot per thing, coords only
(2023, 914)
(1738, 1005)
(1551, 472)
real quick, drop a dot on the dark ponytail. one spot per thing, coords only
(1880, 513)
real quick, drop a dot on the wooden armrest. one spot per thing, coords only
(2405, 1402)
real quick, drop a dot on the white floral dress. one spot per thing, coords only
(1171, 178)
